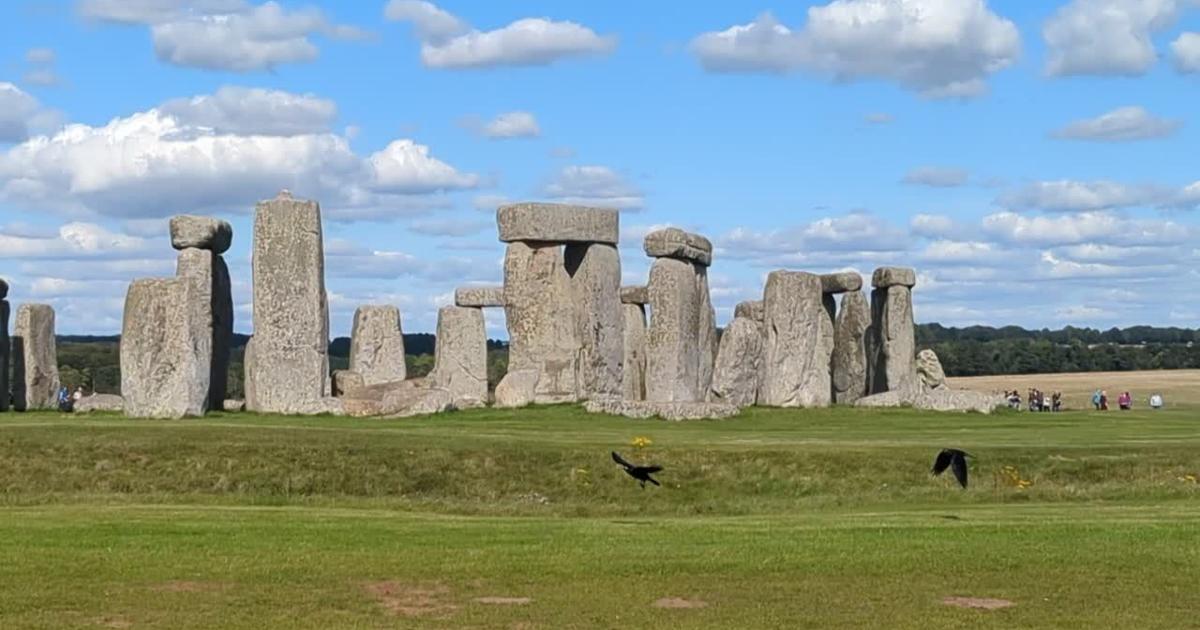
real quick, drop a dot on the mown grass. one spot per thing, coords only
(819, 518)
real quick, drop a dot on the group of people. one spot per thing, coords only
(1038, 400)
(1124, 400)
(66, 400)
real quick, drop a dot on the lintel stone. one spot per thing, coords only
(557, 223)
(676, 243)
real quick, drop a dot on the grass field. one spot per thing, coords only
(518, 519)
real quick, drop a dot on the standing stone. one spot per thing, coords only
(189, 231)
(633, 376)
(543, 331)
(672, 341)
(738, 370)
(929, 370)
(849, 348)
(460, 356)
(595, 272)
(706, 335)
(377, 345)
(35, 358)
(166, 348)
(4, 345)
(891, 340)
(214, 300)
(799, 343)
(288, 369)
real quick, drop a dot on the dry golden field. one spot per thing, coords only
(1178, 387)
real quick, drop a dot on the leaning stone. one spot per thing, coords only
(516, 389)
(637, 294)
(750, 309)
(676, 243)
(543, 329)
(288, 369)
(672, 341)
(946, 399)
(460, 356)
(214, 302)
(200, 232)
(841, 282)
(346, 381)
(633, 374)
(166, 349)
(673, 411)
(929, 370)
(799, 343)
(233, 405)
(595, 272)
(377, 344)
(35, 359)
(557, 223)
(885, 277)
(479, 296)
(5, 345)
(99, 402)
(738, 370)
(849, 362)
(891, 341)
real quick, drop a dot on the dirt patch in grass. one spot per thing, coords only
(412, 600)
(977, 602)
(114, 622)
(504, 601)
(679, 602)
(188, 586)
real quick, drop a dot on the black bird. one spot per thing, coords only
(954, 459)
(641, 473)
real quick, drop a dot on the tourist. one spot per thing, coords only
(78, 394)
(1125, 401)
(1056, 402)
(64, 399)
(1096, 400)
(1156, 401)
(1103, 400)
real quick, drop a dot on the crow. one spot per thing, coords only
(641, 473)
(954, 459)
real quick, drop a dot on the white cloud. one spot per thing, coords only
(937, 176)
(1121, 124)
(254, 111)
(936, 226)
(41, 71)
(406, 167)
(512, 125)
(962, 252)
(73, 241)
(448, 42)
(829, 241)
(40, 55)
(1186, 52)
(939, 48)
(17, 112)
(593, 186)
(154, 11)
(348, 260)
(1084, 227)
(1106, 37)
(1072, 196)
(448, 227)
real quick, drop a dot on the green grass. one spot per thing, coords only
(822, 518)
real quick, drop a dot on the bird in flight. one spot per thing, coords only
(641, 473)
(956, 461)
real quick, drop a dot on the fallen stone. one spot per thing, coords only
(345, 381)
(738, 370)
(849, 361)
(377, 345)
(541, 315)
(201, 233)
(935, 400)
(891, 341)
(287, 364)
(516, 389)
(166, 349)
(417, 401)
(799, 343)
(633, 374)
(99, 402)
(673, 411)
(214, 303)
(595, 272)
(885, 277)
(557, 223)
(750, 309)
(35, 359)
(841, 282)
(479, 297)
(635, 295)
(233, 405)
(676, 243)
(929, 370)
(460, 356)
(672, 340)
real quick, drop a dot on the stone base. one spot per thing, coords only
(935, 400)
(673, 411)
(398, 399)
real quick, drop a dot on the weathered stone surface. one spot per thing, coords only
(935, 400)
(35, 358)
(166, 349)
(637, 294)
(233, 405)
(738, 371)
(799, 343)
(517, 387)
(707, 338)
(672, 341)
(287, 370)
(5, 345)
(99, 402)
(676, 243)
(417, 401)
(849, 362)
(543, 329)
(479, 297)
(557, 223)
(201, 233)
(841, 282)
(595, 272)
(891, 341)
(750, 309)
(929, 370)
(633, 376)
(214, 303)
(377, 344)
(885, 277)
(345, 381)
(460, 356)
(673, 411)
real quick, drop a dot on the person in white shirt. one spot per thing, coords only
(1156, 401)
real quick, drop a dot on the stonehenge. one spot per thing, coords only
(460, 356)
(737, 375)
(799, 342)
(214, 300)
(34, 358)
(849, 364)
(166, 348)
(377, 345)
(891, 338)
(681, 340)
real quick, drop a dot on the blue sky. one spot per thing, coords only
(1035, 161)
